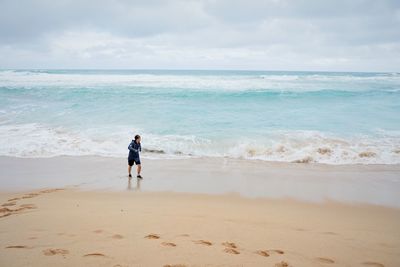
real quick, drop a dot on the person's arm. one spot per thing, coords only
(140, 147)
(130, 147)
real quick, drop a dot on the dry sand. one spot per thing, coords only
(87, 228)
(68, 226)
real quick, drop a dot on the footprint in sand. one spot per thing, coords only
(25, 207)
(117, 236)
(99, 231)
(373, 264)
(55, 251)
(31, 195)
(263, 253)
(28, 206)
(4, 212)
(267, 253)
(230, 248)
(325, 260)
(168, 244)
(229, 244)
(231, 251)
(7, 212)
(152, 236)
(282, 264)
(278, 251)
(184, 235)
(50, 190)
(95, 254)
(202, 242)
(14, 199)
(18, 246)
(9, 204)
(174, 265)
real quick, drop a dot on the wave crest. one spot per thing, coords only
(36, 140)
(235, 81)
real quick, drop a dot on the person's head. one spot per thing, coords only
(137, 138)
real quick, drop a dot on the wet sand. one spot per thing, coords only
(372, 184)
(85, 212)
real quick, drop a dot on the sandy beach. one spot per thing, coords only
(267, 133)
(89, 214)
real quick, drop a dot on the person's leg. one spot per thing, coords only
(139, 168)
(130, 163)
(129, 169)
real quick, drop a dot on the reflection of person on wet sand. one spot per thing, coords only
(137, 187)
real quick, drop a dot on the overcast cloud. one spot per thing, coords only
(341, 35)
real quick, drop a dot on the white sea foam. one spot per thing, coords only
(36, 140)
(293, 82)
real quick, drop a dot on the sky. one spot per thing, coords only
(314, 35)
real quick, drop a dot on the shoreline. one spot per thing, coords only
(369, 184)
(396, 166)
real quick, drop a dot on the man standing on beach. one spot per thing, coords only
(133, 157)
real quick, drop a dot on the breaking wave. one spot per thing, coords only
(37, 140)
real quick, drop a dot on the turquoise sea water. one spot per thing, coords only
(335, 118)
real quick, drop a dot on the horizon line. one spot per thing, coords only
(194, 69)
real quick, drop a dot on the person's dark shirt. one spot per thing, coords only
(134, 149)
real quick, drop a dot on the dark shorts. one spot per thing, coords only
(134, 161)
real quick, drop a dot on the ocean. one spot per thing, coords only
(305, 117)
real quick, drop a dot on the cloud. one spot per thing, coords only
(359, 35)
